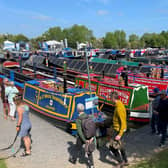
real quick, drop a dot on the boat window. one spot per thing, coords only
(69, 53)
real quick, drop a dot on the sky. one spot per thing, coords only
(34, 17)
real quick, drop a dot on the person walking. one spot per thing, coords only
(162, 73)
(124, 75)
(81, 139)
(162, 110)
(12, 93)
(23, 124)
(118, 131)
(155, 126)
(4, 99)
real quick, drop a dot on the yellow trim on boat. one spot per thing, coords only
(73, 126)
(44, 109)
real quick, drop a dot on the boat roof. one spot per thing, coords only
(56, 86)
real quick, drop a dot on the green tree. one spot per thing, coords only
(164, 39)
(134, 41)
(19, 37)
(141, 43)
(35, 41)
(77, 33)
(150, 39)
(54, 33)
(13, 38)
(110, 40)
(2, 39)
(120, 37)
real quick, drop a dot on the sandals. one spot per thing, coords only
(13, 119)
(25, 154)
(5, 117)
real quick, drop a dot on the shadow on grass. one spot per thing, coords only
(158, 160)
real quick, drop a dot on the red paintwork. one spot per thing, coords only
(145, 120)
(106, 80)
(10, 64)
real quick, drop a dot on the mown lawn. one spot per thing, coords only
(159, 160)
(2, 164)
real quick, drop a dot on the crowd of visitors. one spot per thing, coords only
(159, 122)
(14, 108)
(116, 138)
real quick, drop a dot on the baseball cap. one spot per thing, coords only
(156, 90)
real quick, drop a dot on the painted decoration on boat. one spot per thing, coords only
(57, 105)
(134, 97)
(105, 91)
(151, 83)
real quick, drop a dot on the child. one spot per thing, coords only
(12, 93)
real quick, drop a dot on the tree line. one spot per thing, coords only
(80, 33)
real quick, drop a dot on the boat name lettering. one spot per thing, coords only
(106, 91)
(51, 108)
(47, 96)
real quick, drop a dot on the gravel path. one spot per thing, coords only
(51, 146)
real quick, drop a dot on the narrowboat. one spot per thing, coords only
(49, 98)
(161, 84)
(53, 98)
(134, 96)
(20, 54)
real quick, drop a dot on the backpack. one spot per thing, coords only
(88, 127)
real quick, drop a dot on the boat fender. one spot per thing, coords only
(65, 99)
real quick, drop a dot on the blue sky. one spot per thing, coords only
(33, 17)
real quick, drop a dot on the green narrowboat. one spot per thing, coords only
(134, 96)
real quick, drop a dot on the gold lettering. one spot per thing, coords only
(51, 108)
(54, 98)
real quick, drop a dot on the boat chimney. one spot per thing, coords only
(20, 61)
(34, 68)
(103, 73)
(64, 75)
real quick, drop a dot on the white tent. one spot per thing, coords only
(8, 45)
(82, 45)
(53, 42)
(53, 45)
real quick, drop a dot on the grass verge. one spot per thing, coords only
(2, 164)
(159, 160)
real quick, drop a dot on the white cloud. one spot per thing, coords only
(41, 17)
(102, 12)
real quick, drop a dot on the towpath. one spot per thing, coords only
(51, 145)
